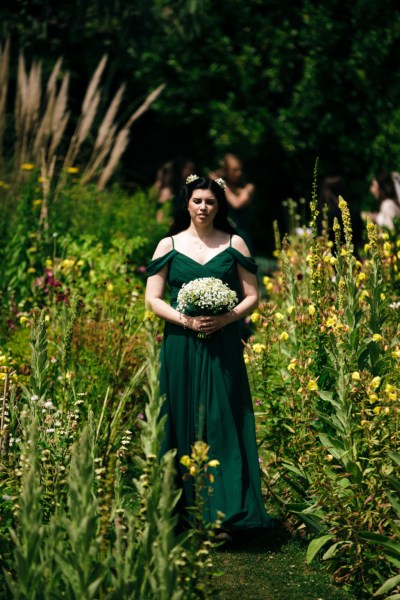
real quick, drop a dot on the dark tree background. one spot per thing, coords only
(279, 83)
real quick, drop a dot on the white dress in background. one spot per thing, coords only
(389, 210)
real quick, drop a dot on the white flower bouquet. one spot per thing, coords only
(206, 296)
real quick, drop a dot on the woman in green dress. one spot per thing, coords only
(204, 379)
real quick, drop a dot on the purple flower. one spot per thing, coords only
(141, 269)
(140, 416)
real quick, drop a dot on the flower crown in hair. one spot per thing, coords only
(221, 183)
(191, 178)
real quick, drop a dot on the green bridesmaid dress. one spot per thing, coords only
(208, 397)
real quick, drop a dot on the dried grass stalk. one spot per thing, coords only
(105, 137)
(122, 139)
(89, 110)
(4, 70)
(119, 148)
(152, 97)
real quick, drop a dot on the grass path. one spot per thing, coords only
(257, 568)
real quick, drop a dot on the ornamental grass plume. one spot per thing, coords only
(4, 67)
(41, 118)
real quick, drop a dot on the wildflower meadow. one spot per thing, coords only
(87, 503)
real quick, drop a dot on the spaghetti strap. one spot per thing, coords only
(173, 245)
(230, 242)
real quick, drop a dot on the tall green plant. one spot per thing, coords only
(26, 581)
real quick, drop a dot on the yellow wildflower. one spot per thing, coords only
(292, 364)
(333, 260)
(330, 322)
(367, 247)
(383, 296)
(385, 236)
(284, 336)
(343, 252)
(27, 166)
(185, 461)
(266, 280)
(149, 315)
(396, 354)
(80, 263)
(311, 309)
(377, 410)
(110, 287)
(364, 294)
(279, 316)
(361, 276)
(31, 270)
(23, 319)
(329, 457)
(373, 398)
(392, 396)
(72, 170)
(213, 463)
(246, 359)
(290, 309)
(259, 348)
(377, 337)
(192, 470)
(375, 383)
(49, 262)
(312, 385)
(37, 202)
(356, 376)
(255, 317)
(67, 263)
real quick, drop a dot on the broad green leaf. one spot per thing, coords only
(395, 456)
(332, 550)
(388, 585)
(316, 545)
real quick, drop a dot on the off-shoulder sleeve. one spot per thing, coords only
(155, 265)
(247, 262)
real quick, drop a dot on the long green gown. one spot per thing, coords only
(208, 397)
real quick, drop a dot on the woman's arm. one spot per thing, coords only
(155, 289)
(243, 198)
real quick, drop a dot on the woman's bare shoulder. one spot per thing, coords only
(239, 244)
(164, 246)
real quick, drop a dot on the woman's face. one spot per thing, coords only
(202, 207)
(233, 170)
(374, 189)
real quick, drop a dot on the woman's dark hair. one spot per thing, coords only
(182, 217)
(386, 187)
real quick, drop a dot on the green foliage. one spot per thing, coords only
(328, 423)
(278, 84)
